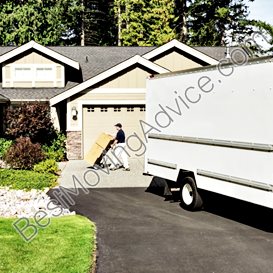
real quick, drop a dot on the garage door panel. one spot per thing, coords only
(98, 119)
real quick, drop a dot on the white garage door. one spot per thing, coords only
(99, 119)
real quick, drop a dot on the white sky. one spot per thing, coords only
(261, 10)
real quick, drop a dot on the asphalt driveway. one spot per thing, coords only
(140, 232)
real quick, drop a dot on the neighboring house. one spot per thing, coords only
(92, 88)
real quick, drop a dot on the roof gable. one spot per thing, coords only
(178, 45)
(137, 59)
(33, 45)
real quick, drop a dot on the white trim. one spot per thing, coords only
(111, 102)
(4, 81)
(106, 74)
(55, 75)
(176, 44)
(118, 91)
(42, 49)
(62, 75)
(80, 121)
(68, 115)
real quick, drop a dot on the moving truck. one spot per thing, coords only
(211, 128)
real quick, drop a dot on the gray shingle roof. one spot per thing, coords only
(17, 94)
(3, 99)
(219, 52)
(93, 61)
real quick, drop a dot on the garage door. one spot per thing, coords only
(98, 119)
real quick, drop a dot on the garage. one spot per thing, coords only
(101, 118)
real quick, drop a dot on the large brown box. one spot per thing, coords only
(95, 154)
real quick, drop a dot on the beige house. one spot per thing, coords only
(92, 88)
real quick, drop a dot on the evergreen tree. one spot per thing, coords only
(160, 20)
(181, 13)
(98, 27)
(210, 21)
(143, 22)
(260, 39)
(49, 22)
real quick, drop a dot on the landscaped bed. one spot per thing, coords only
(67, 245)
(23, 179)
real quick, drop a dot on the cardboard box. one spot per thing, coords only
(102, 143)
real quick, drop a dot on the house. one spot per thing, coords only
(91, 88)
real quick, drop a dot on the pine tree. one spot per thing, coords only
(160, 20)
(260, 39)
(210, 21)
(49, 22)
(181, 14)
(98, 28)
(143, 22)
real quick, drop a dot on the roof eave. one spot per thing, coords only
(176, 44)
(137, 59)
(33, 45)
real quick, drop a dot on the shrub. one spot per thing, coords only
(30, 120)
(23, 154)
(4, 146)
(47, 166)
(57, 149)
(26, 180)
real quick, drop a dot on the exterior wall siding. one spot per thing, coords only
(33, 60)
(175, 62)
(8, 72)
(112, 96)
(135, 78)
(22, 84)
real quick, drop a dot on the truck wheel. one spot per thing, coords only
(190, 197)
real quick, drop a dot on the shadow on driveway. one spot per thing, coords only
(243, 212)
(140, 233)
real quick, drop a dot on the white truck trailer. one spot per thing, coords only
(211, 128)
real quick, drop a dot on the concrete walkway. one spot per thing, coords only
(79, 173)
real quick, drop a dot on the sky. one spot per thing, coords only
(261, 10)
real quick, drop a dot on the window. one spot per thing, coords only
(104, 109)
(34, 73)
(44, 74)
(23, 74)
(90, 109)
(117, 109)
(130, 109)
(142, 109)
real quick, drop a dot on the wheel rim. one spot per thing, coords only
(187, 194)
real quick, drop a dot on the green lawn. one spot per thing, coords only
(67, 245)
(21, 179)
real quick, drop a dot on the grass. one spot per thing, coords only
(65, 246)
(26, 180)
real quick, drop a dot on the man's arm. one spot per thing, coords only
(114, 143)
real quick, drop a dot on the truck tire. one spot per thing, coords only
(190, 197)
